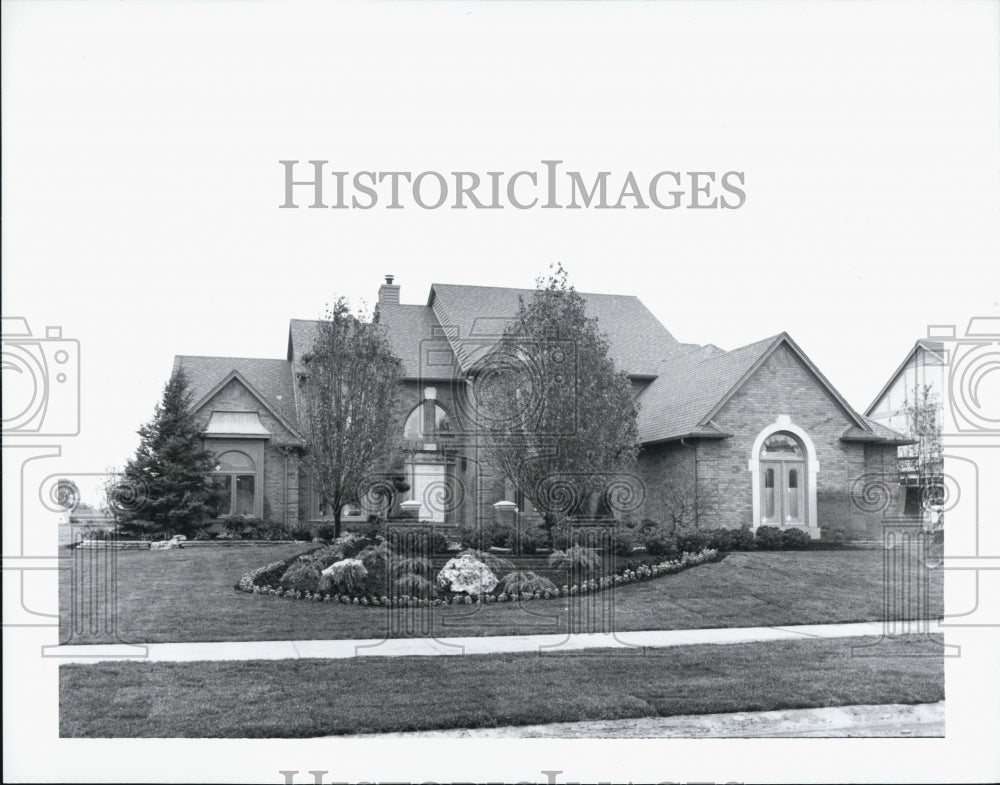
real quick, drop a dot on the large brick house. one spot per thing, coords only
(743, 438)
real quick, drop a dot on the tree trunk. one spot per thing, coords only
(336, 521)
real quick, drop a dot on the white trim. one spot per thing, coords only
(784, 423)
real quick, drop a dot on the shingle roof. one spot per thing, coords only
(689, 386)
(689, 381)
(473, 317)
(413, 331)
(271, 379)
(879, 434)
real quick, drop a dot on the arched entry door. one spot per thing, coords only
(782, 481)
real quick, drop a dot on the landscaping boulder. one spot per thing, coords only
(467, 574)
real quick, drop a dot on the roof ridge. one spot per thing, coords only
(530, 289)
(230, 357)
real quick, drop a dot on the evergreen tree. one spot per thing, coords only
(167, 488)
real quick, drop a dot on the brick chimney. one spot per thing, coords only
(388, 293)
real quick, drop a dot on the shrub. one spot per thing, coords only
(768, 538)
(326, 532)
(624, 540)
(525, 581)
(659, 543)
(327, 555)
(271, 574)
(532, 538)
(416, 565)
(374, 528)
(467, 535)
(648, 525)
(418, 540)
(302, 575)
(720, 539)
(519, 538)
(346, 575)
(743, 540)
(414, 585)
(693, 540)
(560, 537)
(351, 544)
(375, 559)
(576, 559)
(496, 563)
(301, 533)
(795, 539)
(236, 525)
(266, 530)
(498, 535)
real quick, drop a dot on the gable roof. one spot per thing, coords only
(270, 381)
(474, 317)
(689, 386)
(460, 324)
(412, 330)
(694, 385)
(935, 348)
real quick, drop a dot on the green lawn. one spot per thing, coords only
(188, 595)
(301, 698)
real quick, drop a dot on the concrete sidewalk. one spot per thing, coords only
(892, 720)
(423, 647)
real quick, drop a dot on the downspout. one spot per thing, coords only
(697, 501)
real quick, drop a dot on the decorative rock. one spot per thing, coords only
(467, 575)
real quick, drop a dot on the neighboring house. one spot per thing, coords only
(911, 402)
(738, 438)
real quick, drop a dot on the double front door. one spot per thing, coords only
(782, 492)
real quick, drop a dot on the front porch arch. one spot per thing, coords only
(784, 424)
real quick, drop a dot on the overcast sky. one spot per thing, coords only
(141, 181)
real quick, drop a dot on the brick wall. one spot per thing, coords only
(280, 500)
(663, 468)
(781, 386)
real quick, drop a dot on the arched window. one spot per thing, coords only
(238, 477)
(428, 421)
(780, 446)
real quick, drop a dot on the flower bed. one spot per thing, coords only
(267, 580)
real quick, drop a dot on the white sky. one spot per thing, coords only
(141, 185)
(141, 181)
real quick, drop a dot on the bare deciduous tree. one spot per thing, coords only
(349, 392)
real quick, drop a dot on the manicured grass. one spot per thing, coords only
(188, 595)
(300, 698)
